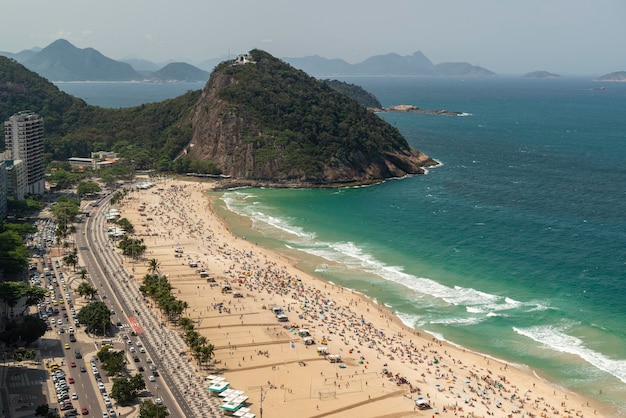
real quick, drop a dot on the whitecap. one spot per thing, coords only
(555, 338)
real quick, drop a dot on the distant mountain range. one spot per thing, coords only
(390, 64)
(62, 61)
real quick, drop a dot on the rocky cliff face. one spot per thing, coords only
(229, 134)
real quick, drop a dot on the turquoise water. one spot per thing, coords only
(515, 246)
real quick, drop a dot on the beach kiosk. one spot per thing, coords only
(322, 350)
(218, 386)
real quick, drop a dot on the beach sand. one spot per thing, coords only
(385, 366)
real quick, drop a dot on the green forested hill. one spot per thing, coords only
(144, 134)
(265, 120)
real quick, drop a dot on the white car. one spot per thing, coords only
(152, 378)
(159, 401)
(74, 396)
(132, 350)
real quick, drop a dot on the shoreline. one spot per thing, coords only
(418, 355)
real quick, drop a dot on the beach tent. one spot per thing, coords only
(282, 318)
(308, 341)
(322, 350)
(334, 358)
(422, 404)
(304, 332)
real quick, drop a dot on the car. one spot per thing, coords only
(74, 396)
(105, 415)
(61, 330)
(152, 378)
(59, 322)
(72, 338)
(67, 346)
(132, 350)
(67, 406)
(159, 401)
(153, 367)
(77, 354)
(136, 359)
(138, 343)
(84, 410)
(142, 350)
(73, 364)
(71, 329)
(148, 360)
(70, 379)
(140, 368)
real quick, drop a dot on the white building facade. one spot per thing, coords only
(23, 134)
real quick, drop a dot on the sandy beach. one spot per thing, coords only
(235, 290)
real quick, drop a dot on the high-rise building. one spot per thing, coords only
(4, 188)
(23, 136)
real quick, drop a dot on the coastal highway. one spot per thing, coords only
(177, 381)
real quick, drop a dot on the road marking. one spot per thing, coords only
(135, 324)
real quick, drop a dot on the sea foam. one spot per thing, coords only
(555, 338)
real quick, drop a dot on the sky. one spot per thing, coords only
(569, 37)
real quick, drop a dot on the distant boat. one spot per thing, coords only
(599, 88)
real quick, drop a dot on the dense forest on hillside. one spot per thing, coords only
(305, 123)
(146, 134)
(295, 126)
(355, 92)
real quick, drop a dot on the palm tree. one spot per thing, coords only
(83, 274)
(153, 266)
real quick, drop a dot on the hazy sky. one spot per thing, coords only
(505, 36)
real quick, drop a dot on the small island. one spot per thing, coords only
(415, 109)
(616, 77)
(541, 74)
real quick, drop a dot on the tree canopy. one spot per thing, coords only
(96, 316)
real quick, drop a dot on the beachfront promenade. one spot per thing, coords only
(177, 374)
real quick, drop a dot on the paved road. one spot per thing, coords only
(185, 395)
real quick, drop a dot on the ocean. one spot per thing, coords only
(514, 246)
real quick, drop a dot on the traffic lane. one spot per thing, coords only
(173, 393)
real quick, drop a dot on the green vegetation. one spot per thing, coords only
(96, 317)
(87, 188)
(126, 225)
(113, 362)
(126, 390)
(301, 124)
(149, 409)
(24, 207)
(13, 253)
(142, 134)
(159, 289)
(23, 331)
(357, 93)
(86, 290)
(132, 247)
